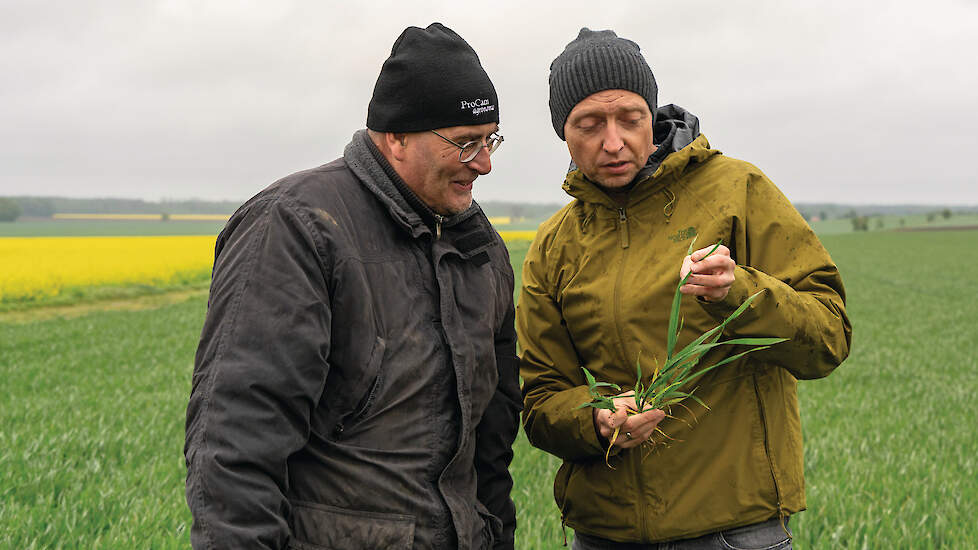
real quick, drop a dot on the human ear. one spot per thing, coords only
(397, 143)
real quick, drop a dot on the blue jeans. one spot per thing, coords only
(767, 535)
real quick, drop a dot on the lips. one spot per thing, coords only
(617, 167)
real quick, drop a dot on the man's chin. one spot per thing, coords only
(464, 207)
(614, 182)
(455, 208)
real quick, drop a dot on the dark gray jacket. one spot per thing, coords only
(356, 381)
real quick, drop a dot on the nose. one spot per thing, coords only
(612, 142)
(481, 163)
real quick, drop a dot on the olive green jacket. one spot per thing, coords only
(598, 282)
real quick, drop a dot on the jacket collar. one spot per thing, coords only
(650, 180)
(468, 232)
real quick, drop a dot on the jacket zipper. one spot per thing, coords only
(622, 228)
(623, 238)
(623, 241)
(767, 452)
(438, 220)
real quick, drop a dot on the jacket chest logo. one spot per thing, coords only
(683, 235)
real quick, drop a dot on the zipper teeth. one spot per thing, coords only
(641, 508)
(622, 228)
(617, 305)
(767, 447)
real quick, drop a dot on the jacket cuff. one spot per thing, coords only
(586, 431)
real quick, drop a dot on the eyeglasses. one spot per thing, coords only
(470, 149)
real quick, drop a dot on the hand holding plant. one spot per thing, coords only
(632, 429)
(668, 385)
(711, 273)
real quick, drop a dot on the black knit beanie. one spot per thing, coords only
(596, 61)
(433, 79)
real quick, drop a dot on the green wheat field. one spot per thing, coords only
(92, 415)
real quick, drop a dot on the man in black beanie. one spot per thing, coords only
(356, 386)
(724, 470)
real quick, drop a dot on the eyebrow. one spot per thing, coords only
(472, 136)
(600, 112)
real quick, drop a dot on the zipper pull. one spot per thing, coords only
(438, 220)
(622, 228)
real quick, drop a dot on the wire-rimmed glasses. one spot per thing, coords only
(470, 149)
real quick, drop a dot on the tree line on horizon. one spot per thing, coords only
(14, 207)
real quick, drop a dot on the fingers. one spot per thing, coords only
(702, 253)
(709, 276)
(637, 429)
(686, 267)
(699, 262)
(632, 430)
(605, 423)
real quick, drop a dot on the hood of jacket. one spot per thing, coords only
(676, 133)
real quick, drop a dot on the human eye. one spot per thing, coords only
(470, 146)
(633, 119)
(587, 124)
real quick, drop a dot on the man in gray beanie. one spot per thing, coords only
(356, 386)
(724, 470)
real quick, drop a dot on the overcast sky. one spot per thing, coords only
(836, 101)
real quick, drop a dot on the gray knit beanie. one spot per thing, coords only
(596, 61)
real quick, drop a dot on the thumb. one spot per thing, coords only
(686, 267)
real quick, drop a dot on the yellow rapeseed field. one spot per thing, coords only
(510, 236)
(34, 268)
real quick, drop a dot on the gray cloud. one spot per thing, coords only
(836, 101)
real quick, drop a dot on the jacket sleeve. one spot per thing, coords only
(803, 297)
(553, 382)
(260, 369)
(498, 429)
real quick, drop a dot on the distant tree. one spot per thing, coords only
(903, 222)
(931, 216)
(946, 213)
(879, 223)
(37, 207)
(860, 223)
(9, 210)
(164, 217)
(516, 211)
(822, 215)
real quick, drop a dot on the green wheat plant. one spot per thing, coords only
(669, 384)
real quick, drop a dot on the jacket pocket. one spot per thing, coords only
(354, 401)
(322, 527)
(375, 371)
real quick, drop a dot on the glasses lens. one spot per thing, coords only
(469, 151)
(495, 141)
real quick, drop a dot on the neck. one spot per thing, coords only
(618, 194)
(427, 215)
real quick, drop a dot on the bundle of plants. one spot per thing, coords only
(670, 384)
